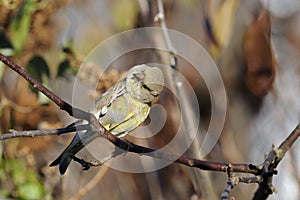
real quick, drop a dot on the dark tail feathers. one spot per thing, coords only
(68, 154)
(63, 161)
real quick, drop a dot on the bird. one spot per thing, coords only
(121, 109)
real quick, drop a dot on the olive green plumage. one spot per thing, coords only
(120, 109)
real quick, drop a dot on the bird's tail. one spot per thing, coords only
(64, 159)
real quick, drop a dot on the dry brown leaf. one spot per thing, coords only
(259, 56)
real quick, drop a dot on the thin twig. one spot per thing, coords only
(231, 183)
(96, 163)
(160, 17)
(234, 180)
(187, 110)
(77, 113)
(288, 142)
(271, 162)
(74, 112)
(252, 179)
(34, 133)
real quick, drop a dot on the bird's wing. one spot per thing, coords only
(124, 115)
(107, 98)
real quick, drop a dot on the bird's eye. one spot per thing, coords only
(139, 76)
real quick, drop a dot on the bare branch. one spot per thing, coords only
(187, 110)
(288, 142)
(34, 133)
(233, 180)
(77, 113)
(271, 162)
(74, 112)
(252, 179)
(160, 17)
(96, 163)
(231, 183)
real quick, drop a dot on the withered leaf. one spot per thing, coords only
(259, 56)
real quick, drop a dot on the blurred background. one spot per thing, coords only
(255, 45)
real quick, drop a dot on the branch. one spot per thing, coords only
(34, 133)
(160, 18)
(269, 166)
(288, 142)
(231, 183)
(74, 112)
(268, 170)
(187, 111)
(234, 180)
